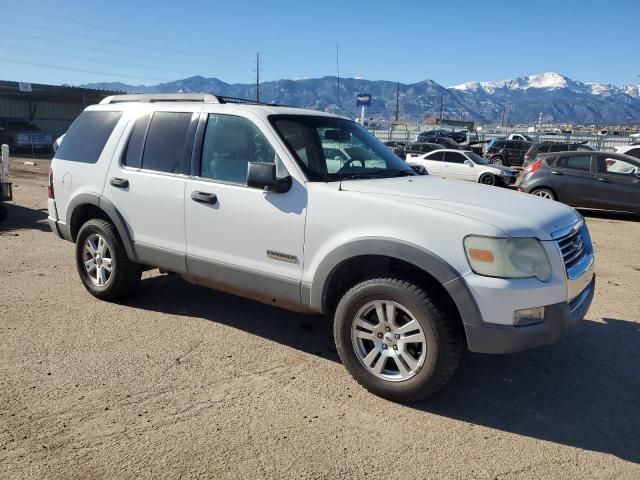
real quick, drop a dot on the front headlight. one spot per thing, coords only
(504, 173)
(507, 257)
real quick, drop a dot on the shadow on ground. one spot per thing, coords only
(582, 392)
(22, 218)
(606, 215)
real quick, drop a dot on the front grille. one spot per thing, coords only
(572, 248)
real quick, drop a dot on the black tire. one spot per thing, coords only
(125, 274)
(497, 160)
(488, 179)
(445, 344)
(544, 193)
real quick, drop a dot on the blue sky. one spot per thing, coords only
(146, 42)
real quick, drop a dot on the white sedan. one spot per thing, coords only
(464, 165)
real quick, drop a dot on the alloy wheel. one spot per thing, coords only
(388, 340)
(98, 263)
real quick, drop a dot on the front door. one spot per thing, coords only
(617, 183)
(572, 179)
(455, 167)
(241, 238)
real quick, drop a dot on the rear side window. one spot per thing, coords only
(133, 154)
(499, 145)
(634, 152)
(166, 139)
(513, 145)
(438, 156)
(582, 162)
(87, 137)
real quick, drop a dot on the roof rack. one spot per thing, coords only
(179, 97)
(162, 97)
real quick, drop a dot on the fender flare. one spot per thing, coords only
(420, 257)
(111, 211)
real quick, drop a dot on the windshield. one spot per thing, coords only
(330, 149)
(477, 158)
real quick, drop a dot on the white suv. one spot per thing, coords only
(464, 165)
(239, 197)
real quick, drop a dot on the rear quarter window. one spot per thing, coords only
(87, 136)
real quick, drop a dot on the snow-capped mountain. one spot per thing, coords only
(559, 98)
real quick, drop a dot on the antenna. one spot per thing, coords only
(397, 100)
(338, 107)
(258, 77)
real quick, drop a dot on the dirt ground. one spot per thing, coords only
(184, 382)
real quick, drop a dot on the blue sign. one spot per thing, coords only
(363, 99)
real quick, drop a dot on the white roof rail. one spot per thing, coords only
(161, 97)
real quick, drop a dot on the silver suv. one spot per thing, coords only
(415, 269)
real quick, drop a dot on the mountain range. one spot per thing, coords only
(521, 100)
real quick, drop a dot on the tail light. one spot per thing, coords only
(50, 185)
(533, 167)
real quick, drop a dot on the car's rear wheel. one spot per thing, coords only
(544, 193)
(102, 262)
(396, 339)
(487, 179)
(497, 160)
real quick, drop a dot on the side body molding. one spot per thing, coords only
(111, 211)
(316, 293)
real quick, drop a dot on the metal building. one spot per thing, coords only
(52, 108)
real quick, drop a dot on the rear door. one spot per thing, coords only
(617, 183)
(146, 183)
(572, 179)
(433, 162)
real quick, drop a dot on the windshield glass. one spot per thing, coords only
(477, 158)
(329, 149)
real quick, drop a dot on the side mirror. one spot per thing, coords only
(469, 162)
(263, 175)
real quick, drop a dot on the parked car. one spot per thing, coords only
(551, 147)
(602, 180)
(398, 147)
(633, 150)
(240, 197)
(521, 137)
(464, 165)
(417, 149)
(507, 152)
(23, 135)
(459, 136)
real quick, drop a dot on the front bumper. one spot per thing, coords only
(559, 318)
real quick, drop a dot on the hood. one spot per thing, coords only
(516, 214)
(501, 167)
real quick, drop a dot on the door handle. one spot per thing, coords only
(556, 172)
(119, 182)
(204, 197)
(604, 180)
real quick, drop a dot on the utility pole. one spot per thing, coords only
(509, 118)
(441, 110)
(504, 110)
(258, 77)
(397, 100)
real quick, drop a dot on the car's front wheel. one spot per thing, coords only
(396, 339)
(487, 179)
(102, 262)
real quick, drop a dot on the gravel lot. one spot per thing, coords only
(184, 382)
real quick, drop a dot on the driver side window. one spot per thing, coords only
(229, 144)
(617, 166)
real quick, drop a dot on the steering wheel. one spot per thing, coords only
(349, 162)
